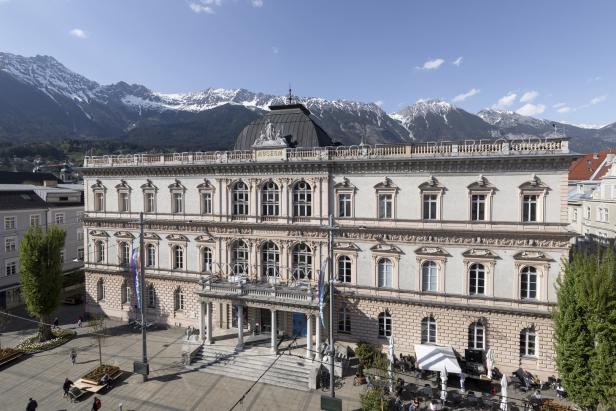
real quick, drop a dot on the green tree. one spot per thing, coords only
(40, 271)
(585, 329)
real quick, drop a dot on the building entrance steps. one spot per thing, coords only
(290, 369)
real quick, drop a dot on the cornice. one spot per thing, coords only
(421, 236)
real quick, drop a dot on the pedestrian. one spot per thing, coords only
(96, 405)
(73, 356)
(56, 322)
(79, 321)
(32, 404)
(66, 386)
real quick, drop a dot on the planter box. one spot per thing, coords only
(8, 354)
(94, 376)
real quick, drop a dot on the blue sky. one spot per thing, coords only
(551, 59)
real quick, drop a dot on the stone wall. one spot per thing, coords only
(502, 331)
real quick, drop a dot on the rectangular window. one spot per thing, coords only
(527, 344)
(344, 321)
(529, 208)
(588, 212)
(80, 254)
(606, 215)
(177, 205)
(124, 202)
(59, 218)
(35, 220)
(99, 201)
(206, 203)
(575, 214)
(10, 268)
(10, 244)
(386, 203)
(80, 234)
(9, 223)
(478, 207)
(344, 205)
(429, 206)
(148, 203)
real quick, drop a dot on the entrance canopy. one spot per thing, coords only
(437, 358)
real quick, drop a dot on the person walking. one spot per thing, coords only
(73, 356)
(66, 386)
(79, 321)
(32, 404)
(96, 405)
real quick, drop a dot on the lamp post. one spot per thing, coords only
(330, 269)
(144, 348)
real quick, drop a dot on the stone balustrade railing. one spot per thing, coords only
(261, 291)
(469, 148)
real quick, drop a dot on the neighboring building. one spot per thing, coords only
(592, 197)
(23, 205)
(444, 243)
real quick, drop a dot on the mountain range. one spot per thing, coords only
(42, 100)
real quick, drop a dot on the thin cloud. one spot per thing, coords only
(457, 61)
(529, 96)
(379, 103)
(506, 100)
(464, 96)
(79, 33)
(432, 64)
(598, 99)
(256, 3)
(205, 6)
(564, 109)
(530, 109)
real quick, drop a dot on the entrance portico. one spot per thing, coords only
(251, 304)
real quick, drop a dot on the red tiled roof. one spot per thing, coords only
(585, 167)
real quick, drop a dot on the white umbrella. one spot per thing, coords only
(490, 362)
(504, 382)
(390, 368)
(444, 385)
(462, 379)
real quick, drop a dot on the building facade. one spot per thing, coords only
(448, 244)
(25, 205)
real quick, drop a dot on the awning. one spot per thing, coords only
(437, 358)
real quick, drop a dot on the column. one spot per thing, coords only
(240, 326)
(308, 336)
(201, 322)
(274, 336)
(317, 344)
(208, 326)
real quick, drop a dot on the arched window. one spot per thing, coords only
(99, 251)
(429, 276)
(302, 262)
(151, 296)
(178, 257)
(528, 343)
(207, 260)
(240, 199)
(178, 300)
(239, 258)
(476, 336)
(344, 269)
(385, 272)
(384, 324)
(150, 255)
(344, 320)
(528, 283)
(100, 290)
(124, 254)
(476, 279)
(270, 258)
(125, 292)
(302, 199)
(270, 199)
(428, 330)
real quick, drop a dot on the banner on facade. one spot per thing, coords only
(321, 290)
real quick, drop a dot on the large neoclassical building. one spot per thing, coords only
(456, 244)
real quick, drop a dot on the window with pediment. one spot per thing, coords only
(386, 193)
(149, 197)
(177, 191)
(532, 198)
(206, 196)
(480, 199)
(344, 266)
(270, 260)
(123, 190)
(207, 260)
(385, 273)
(99, 251)
(123, 254)
(431, 199)
(98, 193)
(345, 199)
(301, 266)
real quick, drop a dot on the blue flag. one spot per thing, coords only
(135, 266)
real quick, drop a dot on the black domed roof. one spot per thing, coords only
(292, 122)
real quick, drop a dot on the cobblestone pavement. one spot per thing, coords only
(170, 386)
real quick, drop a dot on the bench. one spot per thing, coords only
(91, 386)
(74, 393)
